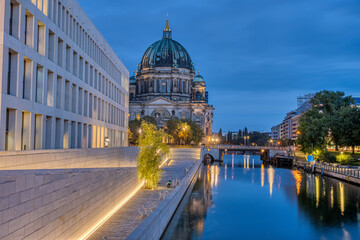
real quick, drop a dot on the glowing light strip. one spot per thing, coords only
(102, 221)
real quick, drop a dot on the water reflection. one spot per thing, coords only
(315, 206)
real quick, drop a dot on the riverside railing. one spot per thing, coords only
(340, 169)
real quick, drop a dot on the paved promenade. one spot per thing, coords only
(129, 216)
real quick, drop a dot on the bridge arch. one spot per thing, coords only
(208, 158)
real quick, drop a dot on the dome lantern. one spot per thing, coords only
(167, 30)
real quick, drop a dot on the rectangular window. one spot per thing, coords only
(25, 131)
(41, 38)
(75, 63)
(39, 84)
(51, 46)
(68, 53)
(29, 29)
(48, 132)
(27, 78)
(12, 72)
(80, 101)
(60, 52)
(59, 90)
(67, 95)
(14, 22)
(85, 103)
(50, 89)
(74, 96)
(58, 133)
(66, 136)
(10, 129)
(38, 131)
(81, 68)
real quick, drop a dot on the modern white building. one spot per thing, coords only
(62, 86)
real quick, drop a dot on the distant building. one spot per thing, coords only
(288, 128)
(62, 86)
(166, 87)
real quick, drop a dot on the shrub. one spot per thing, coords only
(152, 149)
(327, 157)
(344, 159)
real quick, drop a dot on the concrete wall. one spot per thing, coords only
(155, 224)
(62, 203)
(71, 158)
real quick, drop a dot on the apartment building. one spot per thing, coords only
(62, 86)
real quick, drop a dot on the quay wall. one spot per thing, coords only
(155, 224)
(339, 176)
(69, 158)
(60, 203)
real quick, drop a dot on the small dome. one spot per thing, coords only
(198, 78)
(132, 80)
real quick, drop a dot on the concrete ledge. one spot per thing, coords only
(155, 224)
(69, 158)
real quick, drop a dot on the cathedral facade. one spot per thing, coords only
(166, 87)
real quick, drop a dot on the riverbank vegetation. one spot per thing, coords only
(180, 132)
(332, 122)
(152, 151)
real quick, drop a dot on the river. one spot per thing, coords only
(243, 199)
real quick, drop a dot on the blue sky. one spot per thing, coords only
(256, 56)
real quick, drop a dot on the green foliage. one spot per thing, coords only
(332, 119)
(135, 126)
(314, 131)
(349, 127)
(326, 156)
(344, 159)
(152, 149)
(192, 133)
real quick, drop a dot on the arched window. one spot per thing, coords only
(198, 96)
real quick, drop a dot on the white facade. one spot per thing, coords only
(62, 86)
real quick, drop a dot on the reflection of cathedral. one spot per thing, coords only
(166, 87)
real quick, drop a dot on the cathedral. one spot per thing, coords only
(165, 86)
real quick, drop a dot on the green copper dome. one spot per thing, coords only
(132, 80)
(166, 53)
(198, 78)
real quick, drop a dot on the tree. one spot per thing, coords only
(135, 128)
(313, 131)
(330, 103)
(152, 149)
(134, 131)
(350, 127)
(184, 132)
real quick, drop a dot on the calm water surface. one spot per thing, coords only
(242, 199)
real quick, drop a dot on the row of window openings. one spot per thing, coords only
(67, 139)
(162, 86)
(41, 37)
(116, 94)
(99, 104)
(72, 29)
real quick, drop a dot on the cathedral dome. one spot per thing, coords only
(166, 53)
(132, 80)
(198, 78)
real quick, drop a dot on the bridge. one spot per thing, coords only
(216, 152)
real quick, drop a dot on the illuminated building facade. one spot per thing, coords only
(62, 86)
(166, 87)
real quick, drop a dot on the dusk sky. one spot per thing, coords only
(256, 56)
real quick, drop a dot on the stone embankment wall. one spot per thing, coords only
(155, 224)
(63, 203)
(69, 158)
